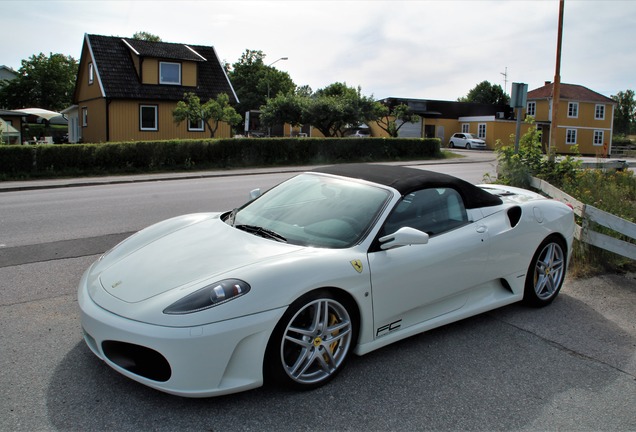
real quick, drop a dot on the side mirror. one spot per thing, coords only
(403, 237)
(255, 194)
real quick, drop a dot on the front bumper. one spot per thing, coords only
(209, 360)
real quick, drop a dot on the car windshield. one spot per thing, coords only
(470, 136)
(314, 210)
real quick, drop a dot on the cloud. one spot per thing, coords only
(420, 49)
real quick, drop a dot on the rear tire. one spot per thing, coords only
(546, 273)
(467, 146)
(451, 145)
(312, 342)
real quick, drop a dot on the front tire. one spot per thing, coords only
(451, 145)
(546, 273)
(467, 146)
(311, 343)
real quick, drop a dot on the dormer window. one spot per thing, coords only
(170, 73)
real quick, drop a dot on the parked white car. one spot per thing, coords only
(338, 261)
(358, 133)
(467, 141)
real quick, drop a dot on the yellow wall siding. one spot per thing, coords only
(124, 124)
(584, 141)
(315, 133)
(584, 123)
(150, 71)
(189, 74)
(450, 126)
(376, 131)
(87, 91)
(505, 131)
(542, 110)
(95, 130)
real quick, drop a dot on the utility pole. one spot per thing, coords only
(556, 86)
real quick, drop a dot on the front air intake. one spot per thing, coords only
(137, 359)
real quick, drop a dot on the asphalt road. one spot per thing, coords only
(570, 366)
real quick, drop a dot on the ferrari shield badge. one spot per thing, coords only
(357, 264)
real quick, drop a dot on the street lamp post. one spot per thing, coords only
(269, 129)
(269, 65)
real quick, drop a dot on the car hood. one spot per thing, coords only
(183, 254)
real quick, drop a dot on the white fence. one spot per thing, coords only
(589, 214)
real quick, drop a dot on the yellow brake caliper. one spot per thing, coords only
(332, 347)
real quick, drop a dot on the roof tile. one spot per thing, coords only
(113, 63)
(569, 92)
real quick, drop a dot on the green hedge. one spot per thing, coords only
(148, 156)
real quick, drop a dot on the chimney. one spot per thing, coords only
(548, 83)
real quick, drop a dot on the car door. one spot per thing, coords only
(415, 283)
(463, 141)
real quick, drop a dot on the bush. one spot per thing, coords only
(516, 168)
(149, 156)
(621, 140)
(15, 161)
(615, 193)
(611, 191)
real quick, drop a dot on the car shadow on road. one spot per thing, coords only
(501, 370)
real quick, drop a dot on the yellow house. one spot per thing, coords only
(126, 89)
(441, 119)
(584, 118)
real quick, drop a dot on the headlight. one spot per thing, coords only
(210, 296)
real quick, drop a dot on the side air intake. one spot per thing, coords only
(514, 216)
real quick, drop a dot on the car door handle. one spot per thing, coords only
(482, 229)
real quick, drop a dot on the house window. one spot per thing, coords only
(599, 112)
(481, 130)
(148, 117)
(91, 74)
(465, 127)
(598, 137)
(84, 116)
(195, 126)
(573, 109)
(570, 136)
(531, 109)
(170, 73)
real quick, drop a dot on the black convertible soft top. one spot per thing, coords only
(406, 180)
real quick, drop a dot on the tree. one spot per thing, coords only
(336, 108)
(211, 113)
(283, 109)
(486, 93)
(331, 110)
(42, 82)
(388, 118)
(625, 112)
(142, 35)
(254, 82)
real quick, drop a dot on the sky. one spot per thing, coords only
(422, 49)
